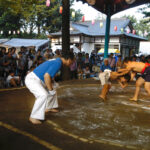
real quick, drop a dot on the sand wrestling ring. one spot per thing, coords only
(84, 116)
(117, 120)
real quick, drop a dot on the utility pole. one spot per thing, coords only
(65, 36)
(65, 26)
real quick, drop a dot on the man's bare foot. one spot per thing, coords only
(102, 97)
(133, 99)
(34, 121)
(52, 110)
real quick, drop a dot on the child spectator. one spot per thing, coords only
(80, 72)
(86, 72)
(13, 80)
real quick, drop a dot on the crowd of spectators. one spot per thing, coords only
(15, 65)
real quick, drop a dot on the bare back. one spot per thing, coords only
(135, 66)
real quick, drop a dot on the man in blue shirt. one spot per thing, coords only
(105, 65)
(39, 82)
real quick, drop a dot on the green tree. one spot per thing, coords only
(32, 15)
(146, 20)
(140, 26)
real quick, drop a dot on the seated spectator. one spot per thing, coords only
(86, 72)
(105, 65)
(79, 72)
(13, 80)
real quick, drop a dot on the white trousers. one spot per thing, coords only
(43, 99)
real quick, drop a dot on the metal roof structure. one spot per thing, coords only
(16, 42)
(110, 7)
(89, 29)
(115, 5)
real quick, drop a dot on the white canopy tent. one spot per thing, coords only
(75, 49)
(3, 41)
(37, 43)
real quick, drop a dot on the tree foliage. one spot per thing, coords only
(141, 26)
(32, 16)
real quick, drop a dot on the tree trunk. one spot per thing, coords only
(65, 35)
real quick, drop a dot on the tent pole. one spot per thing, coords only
(107, 32)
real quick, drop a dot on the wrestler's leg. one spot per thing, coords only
(140, 81)
(147, 87)
(104, 91)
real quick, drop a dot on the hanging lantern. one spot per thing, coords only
(145, 33)
(115, 28)
(47, 3)
(130, 1)
(128, 31)
(133, 31)
(14, 32)
(101, 24)
(9, 32)
(60, 9)
(140, 33)
(122, 30)
(83, 18)
(73, 14)
(91, 2)
(93, 22)
(18, 32)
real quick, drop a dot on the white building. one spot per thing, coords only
(87, 36)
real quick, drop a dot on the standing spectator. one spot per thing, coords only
(13, 52)
(3, 50)
(30, 62)
(142, 59)
(134, 58)
(112, 61)
(80, 60)
(73, 69)
(21, 67)
(39, 60)
(46, 57)
(37, 56)
(119, 63)
(92, 61)
(9, 63)
(86, 60)
(57, 53)
(48, 53)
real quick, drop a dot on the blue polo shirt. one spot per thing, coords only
(51, 67)
(103, 67)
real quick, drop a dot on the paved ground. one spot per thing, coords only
(84, 121)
